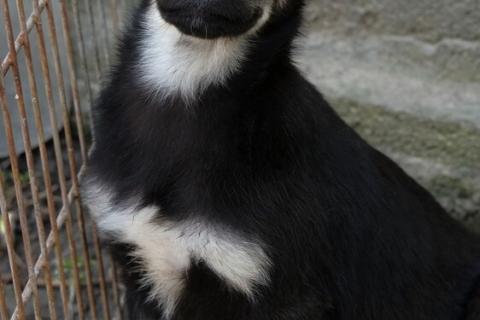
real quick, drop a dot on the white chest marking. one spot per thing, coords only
(166, 249)
(174, 63)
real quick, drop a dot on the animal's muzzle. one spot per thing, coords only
(210, 19)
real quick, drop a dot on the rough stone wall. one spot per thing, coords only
(406, 75)
(425, 19)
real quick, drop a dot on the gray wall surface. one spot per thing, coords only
(406, 75)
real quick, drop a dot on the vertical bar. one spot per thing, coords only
(14, 160)
(11, 256)
(76, 272)
(62, 178)
(72, 160)
(81, 52)
(24, 41)
(101, 273)
(96, 46)
(85, 251)
(114, 14)
(106, 42)
(3, 301)
(97, 246)
(45, 165)
(116, 292)
(17, 286)
(79, 208)
(44, 159)
(67, 36)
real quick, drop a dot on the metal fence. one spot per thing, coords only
(52, 265)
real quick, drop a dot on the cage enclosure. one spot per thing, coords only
(53, 56)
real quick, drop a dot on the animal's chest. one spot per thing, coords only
(166, 249)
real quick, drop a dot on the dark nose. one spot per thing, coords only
(210, 18)
(234, 10)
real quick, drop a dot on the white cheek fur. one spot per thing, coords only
(166, 249)
(172, 63)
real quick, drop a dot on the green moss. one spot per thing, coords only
(452, 187)
(447, 143)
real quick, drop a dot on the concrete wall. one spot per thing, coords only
(406, 75)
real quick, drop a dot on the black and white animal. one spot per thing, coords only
(230, 190)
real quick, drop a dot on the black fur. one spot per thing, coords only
(350, 235)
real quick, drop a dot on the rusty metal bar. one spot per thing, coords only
(3, 301)
(4, 209)
(72, 162)
(45, 168)
(81, 221)
(97, 246)
(75, 183)
(69, 188)
(114, 14)
(101, 271)
(8, 228)
(31, 285)
(63, 186)
(62, 219)
(116, 291)
(67, 36)
(14, 159)
(44, 158)
(18, 41)
(106, 43)
(81, 52)
(97, 59)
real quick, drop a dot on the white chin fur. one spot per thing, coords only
(175, 64)
(166, 249)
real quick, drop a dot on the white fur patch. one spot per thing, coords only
(166, 249)
(175, 63)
